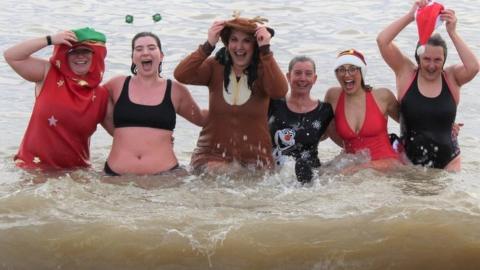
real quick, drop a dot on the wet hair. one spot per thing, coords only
(366, 87)
(434, 40)
(224, 58)
(133, 67)
(301, 58)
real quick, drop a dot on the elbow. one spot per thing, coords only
(476, 68)
(380, 41)
(281, 93)
(473, 70)
(7, 57)
(178, 75)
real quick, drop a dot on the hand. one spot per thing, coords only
(214, 32)
(262, 35)
(66, 37)
(416, 5)
(456, 129)
(448, 16)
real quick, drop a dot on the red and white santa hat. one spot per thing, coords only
(352, 57)
(428, 19)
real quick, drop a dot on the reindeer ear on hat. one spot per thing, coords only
(428, 19)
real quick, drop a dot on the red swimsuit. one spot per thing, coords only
(373, 134)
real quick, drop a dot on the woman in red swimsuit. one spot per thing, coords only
(361, 112)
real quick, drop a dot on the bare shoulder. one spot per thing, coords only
(333, 93)
(115, 83)
(384, 94)
(450, 76)
(179, 90)
(114, 86)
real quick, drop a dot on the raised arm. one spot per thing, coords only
(275, 84)
(31, 68)
(195, 69)
(392, 55)
(469, 67)
(186, 106)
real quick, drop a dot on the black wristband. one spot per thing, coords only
(49, 40)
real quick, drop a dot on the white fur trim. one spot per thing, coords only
(238, 92)
(421, 50)
(351, 60)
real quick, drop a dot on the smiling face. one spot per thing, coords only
(349, 77)
(431, 62)
(146, 55)
(80, 59)
(302, 77)
(241, 48)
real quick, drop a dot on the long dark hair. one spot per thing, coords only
(224, 58)
(133, 67)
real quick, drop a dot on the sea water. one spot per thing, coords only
(414, 218)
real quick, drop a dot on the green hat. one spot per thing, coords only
(88, 33)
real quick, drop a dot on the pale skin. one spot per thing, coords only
(355, 109)
(431, 62)
(144, 150)
(240, 44)
(20, 58)
(301, 79)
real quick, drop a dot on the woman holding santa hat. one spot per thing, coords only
(427, 91)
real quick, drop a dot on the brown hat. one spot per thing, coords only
(248, 26)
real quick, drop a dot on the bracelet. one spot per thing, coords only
(49, 40)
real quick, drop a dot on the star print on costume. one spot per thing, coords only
(82, 83)
(60, 83)
(52, 121)
(36, 160)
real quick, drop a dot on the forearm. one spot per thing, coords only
(390, 32)
(466, 55)
(275, 83)
(25, 49)
(189, 70)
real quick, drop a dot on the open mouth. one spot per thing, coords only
(80, 62)
(147, 64)
(349, 84)
(240, 54)
(302, 85)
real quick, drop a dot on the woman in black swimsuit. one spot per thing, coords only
(428, 92)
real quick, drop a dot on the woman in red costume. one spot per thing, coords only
(361, 112)
(69, 102)
(241, 78)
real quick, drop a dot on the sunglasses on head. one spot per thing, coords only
(78, 51)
